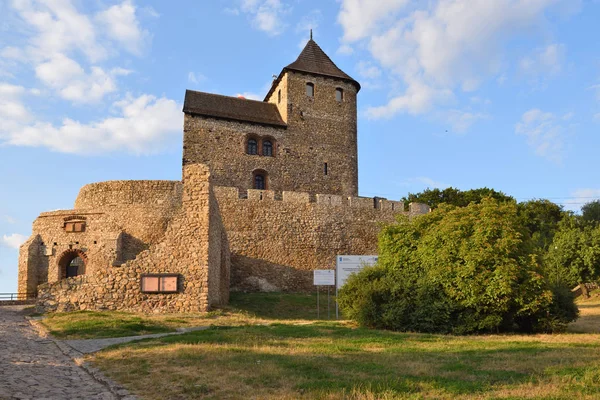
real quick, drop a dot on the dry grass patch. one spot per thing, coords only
(328, 361)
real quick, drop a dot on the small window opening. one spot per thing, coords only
(339, 95)
(267, 148)
(325, 169)
(279, 96)
(259, 182)
(310, 89)
(393, 206)
(56, 244)
(261, 196)
(252, 147)
(75, 267)
(95, 242)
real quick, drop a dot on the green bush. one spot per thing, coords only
(457, 270)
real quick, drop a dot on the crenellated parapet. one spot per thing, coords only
(355, 202)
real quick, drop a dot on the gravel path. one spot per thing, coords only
(87, 346)
(33, 367)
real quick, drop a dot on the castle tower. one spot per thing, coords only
(317, 101)
(302, 137)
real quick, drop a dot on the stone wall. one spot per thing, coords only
(193, 247)
(276, 244)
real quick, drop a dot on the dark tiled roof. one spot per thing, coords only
(231, 108)
(314, 60)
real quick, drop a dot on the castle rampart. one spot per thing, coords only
(276, 240)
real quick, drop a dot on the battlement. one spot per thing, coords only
(357, 202)
(119, 193)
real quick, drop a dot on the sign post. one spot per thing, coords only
(346, 266)
(323, 277)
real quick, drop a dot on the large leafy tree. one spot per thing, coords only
(456, 197)
(574, 255)
(457, 269)
(541, 218)
(590, 212)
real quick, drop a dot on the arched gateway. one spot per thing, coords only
(72, 263)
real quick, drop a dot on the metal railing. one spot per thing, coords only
(17, 296)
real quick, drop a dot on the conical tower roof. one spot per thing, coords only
(314, 61)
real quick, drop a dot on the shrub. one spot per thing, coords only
(458, 270)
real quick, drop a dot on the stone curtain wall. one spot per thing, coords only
(122, 219)
(194, 246)
(276, 244)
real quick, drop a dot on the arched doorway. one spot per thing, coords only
(72, 263)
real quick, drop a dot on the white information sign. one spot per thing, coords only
(347, 265)
(323, 277)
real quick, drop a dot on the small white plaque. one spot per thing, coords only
(324, 277)
(348, 265)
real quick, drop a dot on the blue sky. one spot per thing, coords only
(463, 93)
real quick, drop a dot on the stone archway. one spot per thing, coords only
(72, 263)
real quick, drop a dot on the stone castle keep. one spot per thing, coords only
(269, 192)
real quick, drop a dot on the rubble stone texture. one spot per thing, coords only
(214, 229)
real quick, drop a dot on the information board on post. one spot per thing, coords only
(347, 265)
(324, 277)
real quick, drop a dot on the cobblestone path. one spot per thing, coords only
(32, 367)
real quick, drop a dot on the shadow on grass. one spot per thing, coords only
(333, 359)
(94, 325)
(284, 306)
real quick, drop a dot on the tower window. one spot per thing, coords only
(339, 95)
(310, 89)
(260, 180)
(279, 96)
(252, 147)
(267, 148)
(325, 169)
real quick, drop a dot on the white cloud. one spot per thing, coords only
(69, 79)
(55, 36)
(441, 47)
(460, 121)
(368, 70)
(121, 25)
(345, 50)
(195, 78)
(546, 60)
(361, 18)
(597, 117)
(11, 106)
(14, 241)
(144, 125)
(8, 219)
(265, 15)
(544, 133)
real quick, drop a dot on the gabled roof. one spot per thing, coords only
(313, 60)
(232, 108)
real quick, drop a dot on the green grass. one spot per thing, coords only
(244, 308)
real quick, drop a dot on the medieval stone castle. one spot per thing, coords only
(269, 192)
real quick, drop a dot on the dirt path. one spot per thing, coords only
(32, 367)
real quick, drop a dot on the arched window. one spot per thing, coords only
(252, 147)
(339, 95)
(310, 89)
(260, 180)
(267, 148)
